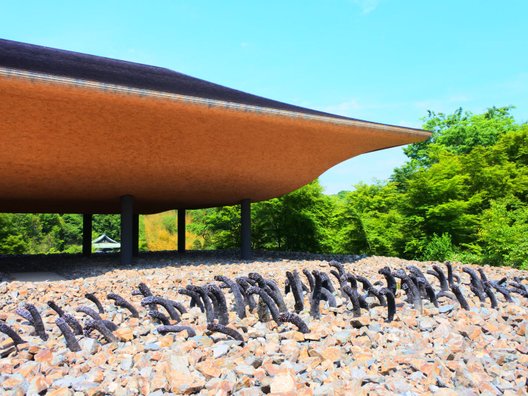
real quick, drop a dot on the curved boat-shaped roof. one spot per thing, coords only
(79, 131)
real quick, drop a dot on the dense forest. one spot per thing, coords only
(462, 195)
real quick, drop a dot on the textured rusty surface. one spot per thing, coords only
(78, 149)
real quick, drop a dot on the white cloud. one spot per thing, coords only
(367, 6)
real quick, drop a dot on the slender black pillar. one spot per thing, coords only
(127, 226)
(245, 229)
(87, 234)
(181, 230)
(135, 235)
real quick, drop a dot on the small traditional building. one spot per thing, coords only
(105, 244)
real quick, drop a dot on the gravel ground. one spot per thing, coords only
(445, 350)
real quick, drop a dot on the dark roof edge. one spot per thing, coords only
(118, 73)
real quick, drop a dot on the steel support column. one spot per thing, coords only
(135, 235)
(87, 234)
(245, 229)
(181, 230)
(127, 226)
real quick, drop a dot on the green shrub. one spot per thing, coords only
(438, 248)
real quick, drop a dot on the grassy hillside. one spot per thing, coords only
(161, 231)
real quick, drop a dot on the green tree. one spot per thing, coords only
(108, 224)
(221, 226)
(299, 221)
(503, 234)
(367, 220)
(461, 131)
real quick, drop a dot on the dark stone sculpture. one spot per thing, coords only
(71, 341)
(96, 301)
(215, 327)
(175, 329)
(121, 302)
(296, 320)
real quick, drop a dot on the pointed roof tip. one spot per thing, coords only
(103, 238)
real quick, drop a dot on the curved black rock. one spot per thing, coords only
(121, 302)
(450, 275)
(391, 303)
(489, 292)
(219, 303)
(296, 320)
(240, 305)
(95, 316)
(37, 321)
(209, 310)
(502, 290)
(389, 278)
(96, 301)
(144, 291)
(372, 291)
(476, 285)
(316, 296)
(248, 298)
(73, 323)
(353, 295)
(8, 331)
(429, 291)
(274, 291)
(364, 282)
(167, 304)
(56, 308)
(196, 300)
(328, 296)
(25, 314)
(89, 311)
(215, 327)
(264, 296)
(412, 290)
(351, 279)
(437, 271)
(178, 306)
(71, 341)
(413, 269)
(309, 276)
(326, 282)
(460, 297)
(155, 314)
(175, 329)
(483, 276)
(294, 282)
(99, 325)
(339, 267)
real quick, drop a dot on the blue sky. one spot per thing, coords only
(380, 60)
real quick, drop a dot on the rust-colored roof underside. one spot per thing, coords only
(73, 147)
